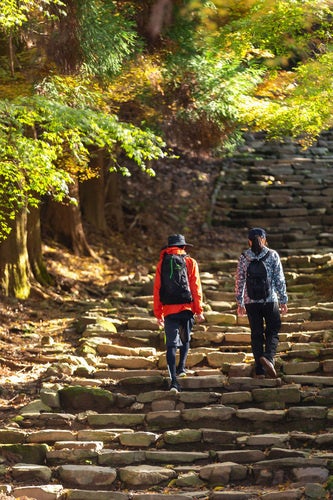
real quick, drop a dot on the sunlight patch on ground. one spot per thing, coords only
(63, 263)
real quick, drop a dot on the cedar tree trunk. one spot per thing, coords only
(92, 198)
(65, 223)
(113, 198)
(14, 261)
(34, 245)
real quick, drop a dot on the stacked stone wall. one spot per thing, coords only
(281, 187)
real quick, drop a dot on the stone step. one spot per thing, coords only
(184, 445)
(238, 467)
(119, 433)
(243, 403)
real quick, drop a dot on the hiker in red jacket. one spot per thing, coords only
(175, 314)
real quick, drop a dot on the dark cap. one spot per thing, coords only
(256, 231)
(177, 240)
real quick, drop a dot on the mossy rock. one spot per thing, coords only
(25, 453)
(86, 398)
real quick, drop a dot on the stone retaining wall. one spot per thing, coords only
(282, 188)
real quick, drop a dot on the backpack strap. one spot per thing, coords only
(172, 263)
(267, 254)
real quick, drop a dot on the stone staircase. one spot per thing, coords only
(282, 188)
(104, 425)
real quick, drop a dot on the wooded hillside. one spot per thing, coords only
(94, 90)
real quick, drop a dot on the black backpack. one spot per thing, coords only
(257, 284)
(175, 288)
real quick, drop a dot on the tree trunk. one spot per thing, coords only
(160, 18)
(64, 47)
(65, 224)
(14, 260)
(34, 245)
(92, 198)
(115, 216)
(11, 55)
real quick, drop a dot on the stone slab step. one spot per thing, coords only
(142, 476)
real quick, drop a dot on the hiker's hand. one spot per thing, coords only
(283, 308)
(199, 318)
(241, 311)
(160, 322)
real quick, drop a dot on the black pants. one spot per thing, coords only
(178, 334)
(265, 324)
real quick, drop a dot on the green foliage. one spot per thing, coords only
(230, 72)
(305, 108)
(329, 483)
(92, 123)
(27, 164)
(107, 37)
(217, 85)
(281, 32)
(45, 142)
(14, 14)
(223, 66)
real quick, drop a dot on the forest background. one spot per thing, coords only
(99, 96)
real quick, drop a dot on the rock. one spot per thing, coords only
(214, 413)
(189, 480)
(127, 419)
(315, 491)
(45, 492)
(137, 323)
(145, 475)
(76, 494)
(220, 318)
(221, 474)
(306, 475)
(87, 475)
(218, 359)
(50, 397)
(286, 394)
(86, 398)
(50, 436)
(258, 415)
(31, 473)
(181, 436)
(138, 439)
(121, 458)
(12, 436)
(131, 362)
(25, 453)
(35, 407)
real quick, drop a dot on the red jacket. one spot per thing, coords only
(161, 310)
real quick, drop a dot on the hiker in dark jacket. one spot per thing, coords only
(263, 313)
(178, 318)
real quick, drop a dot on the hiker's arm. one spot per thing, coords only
(241, 311)
(200, 318)
(279, 282)
(158, 308)
(240, 285)
(283, 308)
(195, 286)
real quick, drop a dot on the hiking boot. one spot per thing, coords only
(175, 387)
(269, 367)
